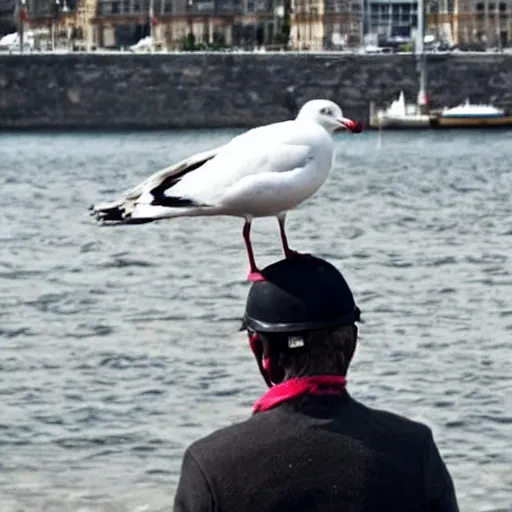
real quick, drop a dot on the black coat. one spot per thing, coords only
(318, 453)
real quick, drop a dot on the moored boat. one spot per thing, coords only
(398, 115)
(470, 115)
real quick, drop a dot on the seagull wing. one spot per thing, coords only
(161, 180)
(209, 184)
(266, 150)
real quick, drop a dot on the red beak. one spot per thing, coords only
(349, 124)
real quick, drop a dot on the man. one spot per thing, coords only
(309, 446)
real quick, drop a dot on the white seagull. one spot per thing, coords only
(263, 172)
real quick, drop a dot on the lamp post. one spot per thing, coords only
(190, 5)
(151, 31)
(22, 17)
(55, 17)
(362, 20)
(498, 25)
(421, 58)
(64, 10)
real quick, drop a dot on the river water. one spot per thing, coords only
(120, 346)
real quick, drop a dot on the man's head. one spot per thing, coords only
(301, 320)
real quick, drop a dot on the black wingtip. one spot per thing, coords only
(116, 217)
(112, 214)
(173, 202)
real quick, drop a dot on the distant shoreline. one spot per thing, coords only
(60, 53)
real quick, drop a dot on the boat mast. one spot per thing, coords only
(151, 31)
(421, 57)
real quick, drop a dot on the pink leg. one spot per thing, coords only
(254, 273)
(289, 253)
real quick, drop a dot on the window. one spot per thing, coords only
(261, 6)
(106, 8)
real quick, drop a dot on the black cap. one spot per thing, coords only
(300, 294)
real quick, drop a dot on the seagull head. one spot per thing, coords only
(329, 115)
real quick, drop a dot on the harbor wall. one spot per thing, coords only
(116, 91)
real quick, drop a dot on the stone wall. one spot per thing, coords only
(227, 90)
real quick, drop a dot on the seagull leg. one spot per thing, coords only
(289, 253)
(254, 273)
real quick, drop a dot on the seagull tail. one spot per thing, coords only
(141, 213)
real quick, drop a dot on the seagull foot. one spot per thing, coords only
(255, 276)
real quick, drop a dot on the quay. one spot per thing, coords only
(225, 90)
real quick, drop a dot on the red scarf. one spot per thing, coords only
(293, 388)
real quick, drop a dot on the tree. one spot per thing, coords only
(189, 42)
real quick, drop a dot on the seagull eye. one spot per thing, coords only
(325, 111)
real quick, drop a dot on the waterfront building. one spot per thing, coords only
(312, 24)
(122, 23)
(325, 24)
(61, 23)
(7, 16)
(483, 22)
(242, 23)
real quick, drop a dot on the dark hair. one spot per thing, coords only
(325, 351)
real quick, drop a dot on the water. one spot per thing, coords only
(119, 346)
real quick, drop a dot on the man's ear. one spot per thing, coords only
(352, 349)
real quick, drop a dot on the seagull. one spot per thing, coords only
(266, 171)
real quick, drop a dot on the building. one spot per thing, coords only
(57, 22)
(244, 23)
(487, 22)
(8, 21)
(172, 23)
(342, 24)
(311, 24)
(325, 24)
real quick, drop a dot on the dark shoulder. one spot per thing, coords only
(231, 441)
(354, 419)
(386, 421)
(235, 432)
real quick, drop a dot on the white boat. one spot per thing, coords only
(143, 45)
(398, 115)
(469, 110)
(468, 115)
(11, 42)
